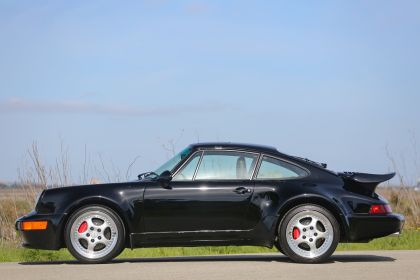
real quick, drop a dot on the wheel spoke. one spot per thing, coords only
(105, 241)
(81, 235)
(104, 226)
(314, 222)
(312, 246)
(321, 234)
(299, 240)
(91, 246)
(300, 226)
(90, 222)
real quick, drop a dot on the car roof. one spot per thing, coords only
(257, 148)
(236, 146)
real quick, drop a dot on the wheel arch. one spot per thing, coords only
(318, 200)
(95, 201)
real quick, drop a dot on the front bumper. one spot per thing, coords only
(48, 239)
(368, 227)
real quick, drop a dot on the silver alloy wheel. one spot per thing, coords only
(94, 234)
(309, 234)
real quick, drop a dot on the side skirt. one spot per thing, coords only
(196, 238)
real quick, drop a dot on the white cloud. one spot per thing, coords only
(77, 107)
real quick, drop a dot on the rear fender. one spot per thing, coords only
(332, 205)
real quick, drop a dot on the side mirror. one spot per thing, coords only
(165, 178)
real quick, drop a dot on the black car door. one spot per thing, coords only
(210, 193)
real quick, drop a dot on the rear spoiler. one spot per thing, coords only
(364, 183)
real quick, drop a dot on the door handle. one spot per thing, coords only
(242, 190)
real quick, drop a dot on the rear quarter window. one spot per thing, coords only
(276, 169)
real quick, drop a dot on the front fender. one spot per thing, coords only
(126, 199)
(125, 215)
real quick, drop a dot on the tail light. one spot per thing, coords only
(380, 209)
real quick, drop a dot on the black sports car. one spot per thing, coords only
(216, 194)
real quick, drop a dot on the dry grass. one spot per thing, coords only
(406, 201)
(14, 202)
(33, 178)
(17, 201)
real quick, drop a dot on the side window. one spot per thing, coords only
(272, 168)
(226, 165)
(188, 170)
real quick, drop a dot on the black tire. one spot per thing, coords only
(278, 247)
(120, 242)
(309, 208)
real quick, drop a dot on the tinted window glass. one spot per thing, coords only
(170, 164)
(272, 168)
(226, 165)
(187, 172)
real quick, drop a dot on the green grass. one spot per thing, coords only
(410, 240)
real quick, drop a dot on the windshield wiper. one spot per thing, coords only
(147, 174)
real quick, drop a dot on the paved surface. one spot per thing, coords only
(343, 265)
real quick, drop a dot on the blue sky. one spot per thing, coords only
(335, 81)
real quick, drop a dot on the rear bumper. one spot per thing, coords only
(365, 228)
(48, 239)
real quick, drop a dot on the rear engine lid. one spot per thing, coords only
(363, 183)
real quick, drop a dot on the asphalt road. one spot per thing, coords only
(360, 265)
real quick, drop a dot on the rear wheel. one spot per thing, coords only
(95, 234)
(309, 234)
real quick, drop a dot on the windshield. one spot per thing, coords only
(170, 164)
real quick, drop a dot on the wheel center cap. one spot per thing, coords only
(94, 234)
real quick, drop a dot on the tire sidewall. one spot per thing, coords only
(282, 233)
(121, 234)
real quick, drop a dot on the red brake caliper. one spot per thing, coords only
(296, 233)
(83, 227)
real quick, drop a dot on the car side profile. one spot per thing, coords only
(216, 194)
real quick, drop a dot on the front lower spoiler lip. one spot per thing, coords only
(48, 239)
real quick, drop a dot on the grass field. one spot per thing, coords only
(410, 240)
(15, 202)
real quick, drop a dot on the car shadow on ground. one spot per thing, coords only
(342, 258)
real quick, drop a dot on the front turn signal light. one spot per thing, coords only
(34, 225)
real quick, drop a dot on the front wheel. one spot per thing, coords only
(309, 234)
(94, 234)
